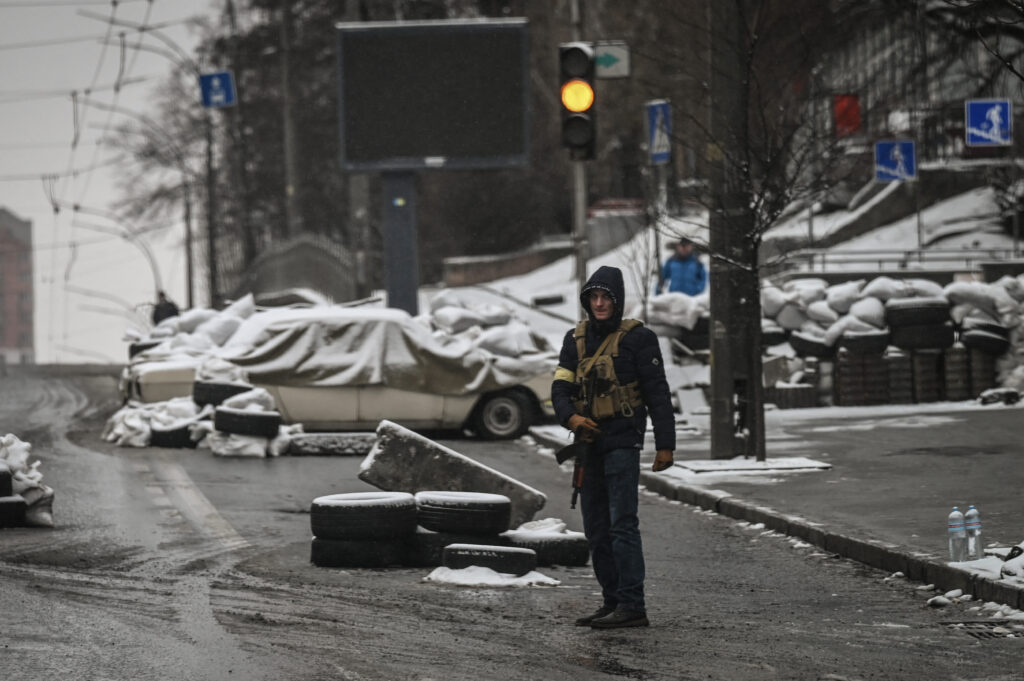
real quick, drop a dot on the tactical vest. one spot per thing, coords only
(598, 392)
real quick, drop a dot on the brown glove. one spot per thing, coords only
(662, 460)
(585, 428)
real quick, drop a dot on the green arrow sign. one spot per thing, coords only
(606, 60)
(611, 59)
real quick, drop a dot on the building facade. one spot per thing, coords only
(17, 319)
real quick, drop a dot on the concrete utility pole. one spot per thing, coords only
(737, 412)
(579, 183)
(291, 207)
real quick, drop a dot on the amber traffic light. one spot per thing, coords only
(576, 71)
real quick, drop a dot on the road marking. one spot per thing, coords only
(194, 505)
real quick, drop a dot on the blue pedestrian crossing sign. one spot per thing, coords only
(895, 161)
(989, 122)
(218, 89)
(659, 131)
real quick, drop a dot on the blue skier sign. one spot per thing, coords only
(895, 161)
(989, 122)
(218, 89)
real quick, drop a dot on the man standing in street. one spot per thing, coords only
(683, 271)
(610, 376)
(164, 308)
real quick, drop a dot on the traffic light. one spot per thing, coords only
(579, 128)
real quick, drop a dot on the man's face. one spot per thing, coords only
(601, 305)
(684, 250)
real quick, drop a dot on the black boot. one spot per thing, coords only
(603, 611)
(619, 619)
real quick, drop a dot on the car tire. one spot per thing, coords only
(354, 553)
(141, 346)
(255, 423)
(809, 346)
(923, 336)
(425, 548)
(503, 559)
(12, 511)
(363, 515)
(173, 438)
(916, 311)
(864, 342)
(504, 415)
(463, 512)
(570, 550)
(213, 392)
(986, 341)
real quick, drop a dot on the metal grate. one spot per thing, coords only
(988, 629)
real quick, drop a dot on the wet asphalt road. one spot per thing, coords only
(175, 564)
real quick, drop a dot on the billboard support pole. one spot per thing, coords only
(401, 262)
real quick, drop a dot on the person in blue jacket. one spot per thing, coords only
(683, 271)
(612, 414)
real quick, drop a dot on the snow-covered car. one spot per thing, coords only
(335, 368)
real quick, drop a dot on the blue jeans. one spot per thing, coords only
(608, 500)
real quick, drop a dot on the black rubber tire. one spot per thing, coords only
(985, 341)
(255, 423)
(6, 482)
(425, 548)
(503, 415)
(12, 511)
(504, 559)
(916, 311)
(997, 329)
(773, 336)
(697, 338)
(571, 550)
(923, 336)
(349, 553)
(141, 346)
(210, 392)
(865, 342)
(539, 301)
(463, 513)
(809, 346)
(363, 515)
(175, 438)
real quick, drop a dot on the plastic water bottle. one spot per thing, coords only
(972, 521)
(957, 536)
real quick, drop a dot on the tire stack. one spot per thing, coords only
(919, 323)
(860, 379)
(900, 372)
(928, 384)
(362, 529)
(956, 369)
(12, 506)
(446, 518)
(697, 338)
(983, 371)
(792, 396)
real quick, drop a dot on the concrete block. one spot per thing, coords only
(331, 444)
(947, 578)
(807, 531)
(404, 461)
(998, 592)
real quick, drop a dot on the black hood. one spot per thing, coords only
(610, 280)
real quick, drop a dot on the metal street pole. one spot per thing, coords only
(579, 184)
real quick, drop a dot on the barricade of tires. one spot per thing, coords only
(431, 529)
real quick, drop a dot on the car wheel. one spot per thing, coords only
(425, 548)
(916, 311)
(463, 512)
(363, 515)
(806, 345)
(571, 550)
(990, 343)
(865, 342)
(503, 416)
(504, 559)
(239, 422)
(350, 553)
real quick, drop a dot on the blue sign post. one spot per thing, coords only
(659, 131)
(988, 122)
(895, 161)
(218, 89)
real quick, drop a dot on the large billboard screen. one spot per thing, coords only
(433, 94)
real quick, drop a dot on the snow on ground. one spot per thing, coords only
(486, 577)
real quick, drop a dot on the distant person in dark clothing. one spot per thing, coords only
(683, 271)
(164, 308)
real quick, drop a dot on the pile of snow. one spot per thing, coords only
(27, 481)
(547, 529)
(486, 577)
(677, 310)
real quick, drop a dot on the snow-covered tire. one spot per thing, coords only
(773, 335)
(463, 512)
(505, 559)
(916, 311)
(241, 422)
(997, 329)
(503, 415)
(923, 336)
(809, 346)
(985, 341)
(568, 550)
(865, 342)
(173, 438)
(363, 515)
(141, 346)
(212, 392)
(12, 511)
(425, 548)
(699, 337)
(355, 553)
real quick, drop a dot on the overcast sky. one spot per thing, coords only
(49, 48)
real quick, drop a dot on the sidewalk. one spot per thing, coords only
(895, 474)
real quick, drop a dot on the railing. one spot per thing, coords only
(817, 260)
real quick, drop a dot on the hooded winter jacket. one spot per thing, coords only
(639, 359)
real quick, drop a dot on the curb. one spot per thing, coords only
(920, 567)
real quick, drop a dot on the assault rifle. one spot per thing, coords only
(579, 450)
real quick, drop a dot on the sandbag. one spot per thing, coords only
(925, 288)
(456, 319)
(976, 293)
(791, 317)
(870, 310)
(772, 301)
(841, 296)
(820, 311)
(846, 323)
(886, 288)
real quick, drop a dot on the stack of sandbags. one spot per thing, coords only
(24, 499)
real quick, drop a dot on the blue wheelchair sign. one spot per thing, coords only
(989, 122)
(895, 161)
(218, 89)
